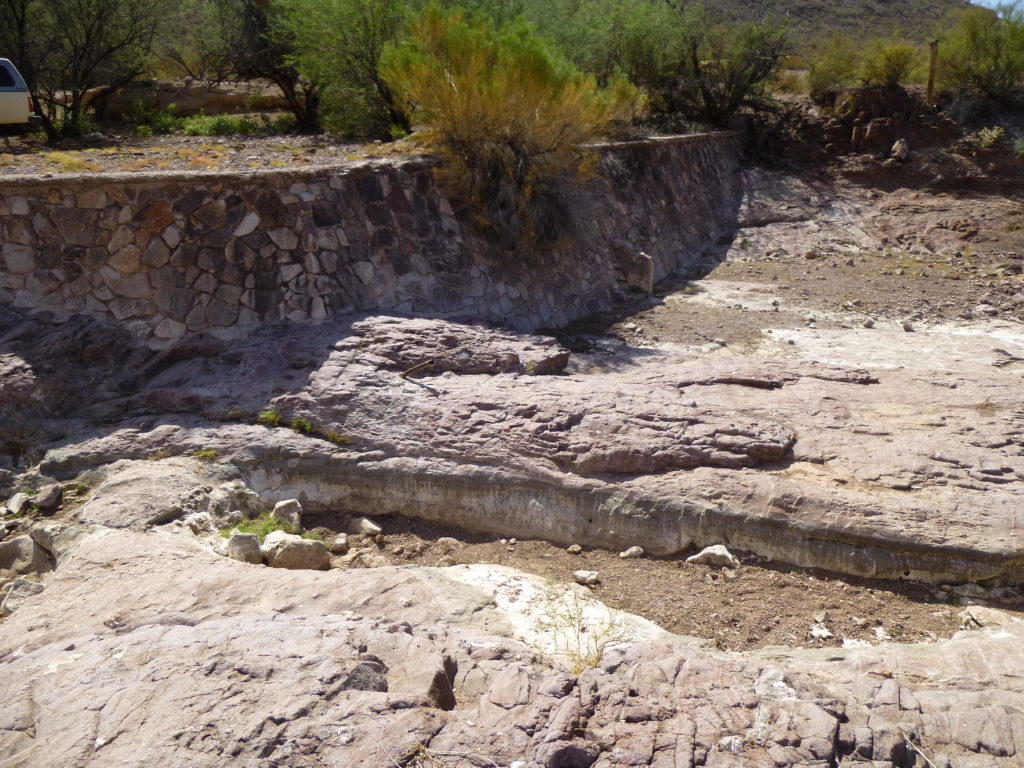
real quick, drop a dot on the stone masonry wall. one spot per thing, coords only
(176, 254)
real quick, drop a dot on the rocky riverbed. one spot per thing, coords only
(838, 404)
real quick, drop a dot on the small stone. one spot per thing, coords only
(881, 635)
(822, 617)
(447, 542)
(289, 511)
(869, 323)
(445, 561)
(632, 552)
(512, 542)
(715, 555)
(368, 527)
(908, 326)
(339, 546)
(574, 549)
(585, 577)
(859, 622)
(244, 547)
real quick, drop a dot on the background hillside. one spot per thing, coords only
(916, 20)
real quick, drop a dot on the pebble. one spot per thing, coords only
(340, 544)
(445, 561)
(632, 552)
(574, 549)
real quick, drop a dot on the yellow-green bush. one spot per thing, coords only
(890, 63)
(833, 67)
(507, 114)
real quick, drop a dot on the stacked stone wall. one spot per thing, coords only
(177, 254)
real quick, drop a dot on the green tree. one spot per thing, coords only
(728, 68)
(258, 43)
(337, 45)
(64, 48)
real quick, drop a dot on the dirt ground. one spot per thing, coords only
(133, 154)
(756, 605)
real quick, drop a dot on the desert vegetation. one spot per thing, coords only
(694, 64)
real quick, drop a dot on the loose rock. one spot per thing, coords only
(48, 500)
(340, 544)
(368, 527)
(244, 547)
(574, 549)
(716, 555)
(632, 552)
(18, 503)
(585, 577)
(289, 511)
(285, 550)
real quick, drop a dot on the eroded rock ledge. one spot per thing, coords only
(793, 460)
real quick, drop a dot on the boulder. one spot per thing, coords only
(286, 550)
(244, 547)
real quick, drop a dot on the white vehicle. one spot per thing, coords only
(16, 107)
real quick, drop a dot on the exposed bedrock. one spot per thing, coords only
(146, 648)
(883, 473)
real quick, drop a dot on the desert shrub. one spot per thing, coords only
(219, 125)
(833, 67)
(582, 631)
(265, 524)
(507, 115)
(725, 68)
(148, 121)
(889, 63)
(983, 53)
